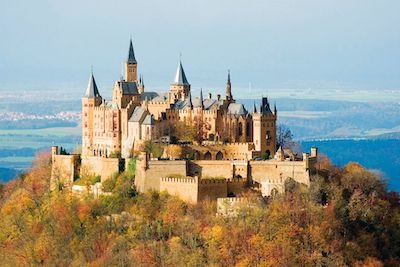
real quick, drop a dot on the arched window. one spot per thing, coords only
(247, 129)
(207, 156)
(219, 156)
(240, 129)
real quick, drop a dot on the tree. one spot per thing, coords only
(285, 139)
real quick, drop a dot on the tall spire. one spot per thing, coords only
(92, 91)
(190, 104)
(228, 94)
(180, 77)
(131, 55)
(201, 98)
(254, 107)
(275, 110)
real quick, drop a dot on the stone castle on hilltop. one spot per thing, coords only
(212, 147)
(134, 116)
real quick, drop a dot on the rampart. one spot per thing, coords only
(64, 168)
(104, 167)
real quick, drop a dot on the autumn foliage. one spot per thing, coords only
(346, 218)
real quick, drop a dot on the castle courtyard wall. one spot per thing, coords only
(212, 189)
(157, 169)
(211, 168)
(184, 188)
(104, 167)
(64, 169)
(274, 171)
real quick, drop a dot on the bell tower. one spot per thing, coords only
(131, 65)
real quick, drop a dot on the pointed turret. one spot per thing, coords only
(275, 110)
(131, 65)
(254, 107)
(190, 104)
(180, 77)
(92, 91)
(201, 98)
(180, 87)
(131, 55)
(228, 94)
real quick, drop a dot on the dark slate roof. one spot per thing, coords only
(131, 55)
(180, 77)
(154, 96)
(196, 103)
(92, 90)
(137, 114)
(236, 109)
(182, 104)
(128, 88)
(149, 120)
(265, 109)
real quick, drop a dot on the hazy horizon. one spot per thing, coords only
(345, 45)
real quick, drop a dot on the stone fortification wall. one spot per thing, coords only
(212, 189)
(64, 169)
(104, 167)
(236, 187)
(278, 171)
(185, 188)
(211, 168)
(148, 175)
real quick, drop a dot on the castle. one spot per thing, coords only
(201, 137)
(135, 115)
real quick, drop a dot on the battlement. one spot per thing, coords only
(212, 181)
(192, 180)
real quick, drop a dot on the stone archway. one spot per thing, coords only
(207, 155)
(219, 155)
(197, 155)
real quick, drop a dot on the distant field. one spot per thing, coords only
(57, 131)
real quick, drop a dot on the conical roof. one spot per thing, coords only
(92, 90)
(180, 77)
(131, 55)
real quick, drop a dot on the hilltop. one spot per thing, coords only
(346, 217)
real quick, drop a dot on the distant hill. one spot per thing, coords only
(378, 154)
(6, 174)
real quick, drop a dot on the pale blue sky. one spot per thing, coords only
(270, 43)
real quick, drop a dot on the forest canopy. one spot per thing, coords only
(347, 217)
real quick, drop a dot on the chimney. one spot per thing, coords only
(218, 97)
(209, 96)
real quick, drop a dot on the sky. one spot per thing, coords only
(287, 44)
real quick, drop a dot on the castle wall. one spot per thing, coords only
(211, 168)
(279, 171)
(64, 169)
(236, 186)
(184, 188)
(157, 169)
(212, 189)
(105, 167)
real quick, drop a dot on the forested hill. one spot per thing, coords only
(347, 217)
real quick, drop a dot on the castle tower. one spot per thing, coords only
(141, 85)
(180, 88)
(90, 100)
(228, 93)
(264, 129)
(131, 65)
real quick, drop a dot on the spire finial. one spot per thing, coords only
(228, 93)
(91, 69)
